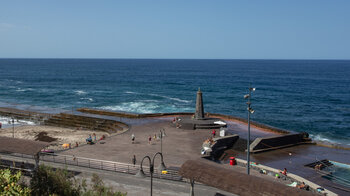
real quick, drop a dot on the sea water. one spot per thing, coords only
(296, 95)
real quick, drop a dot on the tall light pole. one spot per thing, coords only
(151, 167)
(161, 140)
(250, 111)
(13, 127)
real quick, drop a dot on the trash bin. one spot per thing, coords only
(232, 161)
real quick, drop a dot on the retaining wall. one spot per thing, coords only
(280, 141)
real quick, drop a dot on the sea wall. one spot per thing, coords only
(280, 141)
(259, 125)
(23, 114)
(223, 116)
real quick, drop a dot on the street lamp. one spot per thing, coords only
(250, 111)
(161, 140)
(13, 127)
(161, 167)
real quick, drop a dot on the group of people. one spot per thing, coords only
(160, 135)
(300, 186)
(92, 139)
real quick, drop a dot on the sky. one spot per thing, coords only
(188, 29)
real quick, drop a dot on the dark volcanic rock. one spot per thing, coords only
(42, 136)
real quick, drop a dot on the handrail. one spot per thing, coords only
(99, 164)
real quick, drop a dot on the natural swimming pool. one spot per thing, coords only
(338, 173)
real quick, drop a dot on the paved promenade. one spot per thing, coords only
(178, 145)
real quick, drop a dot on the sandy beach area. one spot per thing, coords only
(57, 136)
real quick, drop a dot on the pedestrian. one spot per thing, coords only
(149, 139)
(134, 160)
(94, 137)
(213, 133)
(132, 138)
(0, 125)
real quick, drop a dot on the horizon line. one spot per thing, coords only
(77, 58)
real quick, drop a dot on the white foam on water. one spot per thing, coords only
(80, 92)
(144, 106)
(14, 81)
(6, 121)
(130, 92)
(171, 98)
(87, 98)
(321, 138)
(136, 107)
(23, 90)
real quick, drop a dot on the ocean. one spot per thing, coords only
(296, 95)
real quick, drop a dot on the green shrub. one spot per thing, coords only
(9, 184)
(47, 181)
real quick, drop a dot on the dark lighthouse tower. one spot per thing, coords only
(199, 106)
(199, 121)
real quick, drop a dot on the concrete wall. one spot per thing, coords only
(220, 144)
(223, 116)
(224, 142)
(280, 141)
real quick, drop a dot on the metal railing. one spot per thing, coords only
(101, 165)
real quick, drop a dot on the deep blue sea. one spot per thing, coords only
(296, 95)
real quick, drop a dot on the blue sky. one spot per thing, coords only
(261, 29)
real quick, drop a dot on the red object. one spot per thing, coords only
(232, 161)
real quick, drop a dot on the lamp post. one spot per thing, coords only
(13, 127)
(161, 141)
(250, 111)
(151, 167)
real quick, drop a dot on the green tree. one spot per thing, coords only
(9, 184)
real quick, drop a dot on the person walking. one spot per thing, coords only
(213, 133)
(132, 138)
(134, 160)
(149, 139)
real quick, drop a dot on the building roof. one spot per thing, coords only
(232, 181)
(15, 145)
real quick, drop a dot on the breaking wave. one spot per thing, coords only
(171, 98)
(80, 92)
(87, 98)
